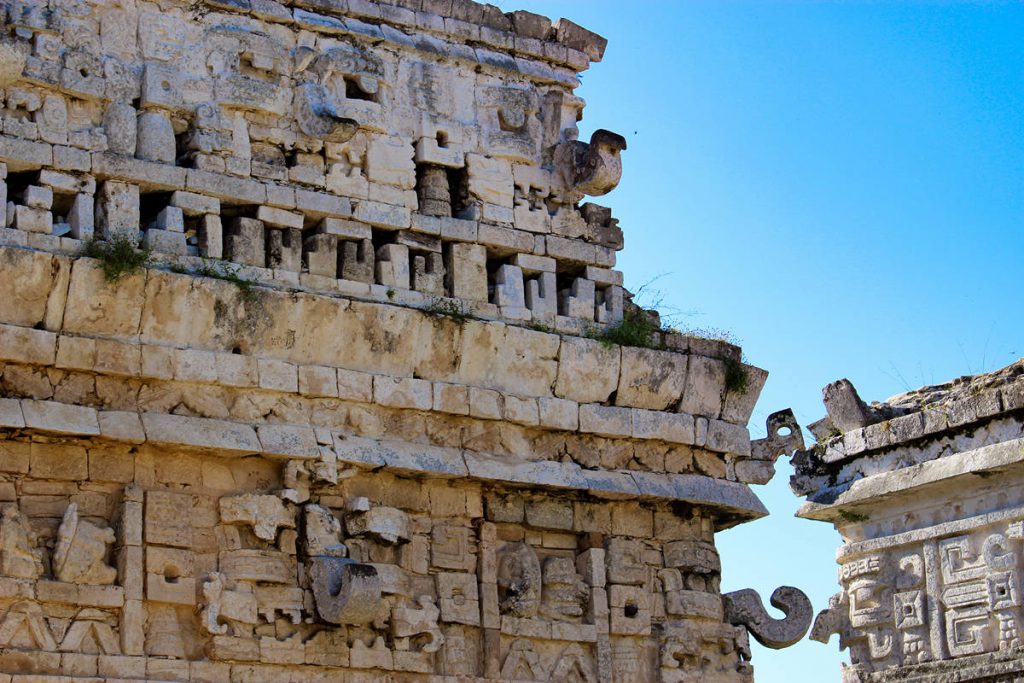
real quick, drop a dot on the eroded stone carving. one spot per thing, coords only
(25, 627)
(80, 555)
(519, 580)
(265, 513)
(408, 622)
(592, 168)
(564, 594)
(19, 556)
(223, 607)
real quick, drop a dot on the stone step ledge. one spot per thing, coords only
(735, 501)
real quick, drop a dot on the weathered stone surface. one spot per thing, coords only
(588, 371)
(345, 421)
(920, 462)
(650, 379)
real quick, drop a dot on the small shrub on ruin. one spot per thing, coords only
(736, 376)
(449, 308)
(118, 256)
(229, 273)
(635, 329)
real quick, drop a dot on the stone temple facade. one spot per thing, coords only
(927, 491)
(349, 421)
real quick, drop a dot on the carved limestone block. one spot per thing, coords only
(322, 532)
(625, 561)
(19, 556)
(523, 664)
(508, 287)
(163, 632)
(418, 624)
(574, 665)
(170, 575)
(264, 513)
(459, 598)
(378, 656)
(428, 273)
(784, 437)
(392, 265)
(91, 632)
(744, 608)
(519, 580)
(565, 594)
(590, 169)
(80, 555)
(345, 592)
(222, 606)
(452, 547)
(25, 627)
(284, 600)
(629, 610)
(117, 210)
(512, 129)
(541, 296)
(318, 115)
(385, 524)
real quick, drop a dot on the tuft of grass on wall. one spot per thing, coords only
(118, 256)
(448, 308)
(635, 329)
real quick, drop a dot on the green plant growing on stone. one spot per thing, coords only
(736, 376)
(390, 293)
(634, 329)
(229, 273)
(712, 333)
(118, 256)
(538, 326)
(449, 308)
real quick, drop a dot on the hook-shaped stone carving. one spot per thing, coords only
(345, 591)
(744, 608)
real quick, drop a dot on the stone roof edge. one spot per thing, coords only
(841, 502)
(472, 31)
(890, 430)
(734, 502)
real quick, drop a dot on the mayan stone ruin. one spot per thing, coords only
(927, 492)
(348, 421)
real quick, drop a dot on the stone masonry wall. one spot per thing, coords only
(927, 491)
(347, 422)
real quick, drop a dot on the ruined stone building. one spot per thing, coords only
(349, 420)
(927, 492)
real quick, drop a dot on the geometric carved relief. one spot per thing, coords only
(978, 599)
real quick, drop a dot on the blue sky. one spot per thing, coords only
(841, 186)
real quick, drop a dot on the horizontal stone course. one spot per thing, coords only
(297, 441)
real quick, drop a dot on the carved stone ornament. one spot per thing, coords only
(81, 551)
(744, 608)
(345, 591)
